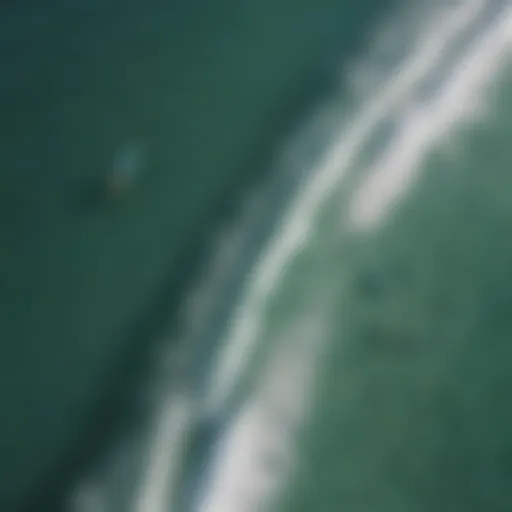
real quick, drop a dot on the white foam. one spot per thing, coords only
(294, 233)
(460, 99)
(241, 477)
(296, 227)
(165, 456)
(237, 484)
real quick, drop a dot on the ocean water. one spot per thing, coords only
(129, 132)
(362, 354)
(346, 342)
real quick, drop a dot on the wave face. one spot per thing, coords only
(361, 341)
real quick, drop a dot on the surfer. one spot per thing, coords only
(125, 168)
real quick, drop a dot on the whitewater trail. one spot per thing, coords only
(293, 231)
(256, 454)
(241, 481)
